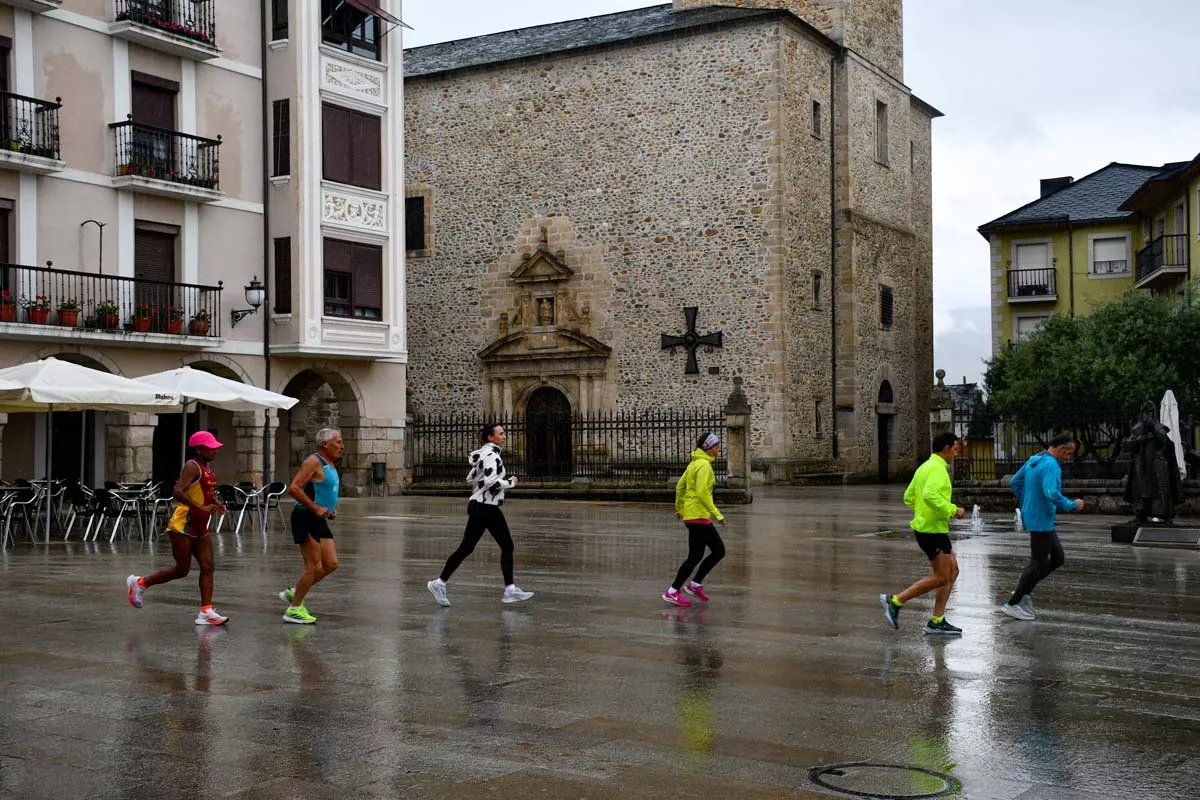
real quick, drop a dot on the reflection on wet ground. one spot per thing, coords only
(595, 688)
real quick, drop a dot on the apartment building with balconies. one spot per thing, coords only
(166, 165)
(1083, 243)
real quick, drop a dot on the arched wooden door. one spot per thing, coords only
(884, 433)
(548, 434)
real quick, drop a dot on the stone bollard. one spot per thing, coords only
(737, 437)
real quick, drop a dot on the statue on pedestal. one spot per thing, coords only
(1153, 486)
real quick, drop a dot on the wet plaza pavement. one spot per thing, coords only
(596, 688)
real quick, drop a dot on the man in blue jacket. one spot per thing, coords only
(1038, 487)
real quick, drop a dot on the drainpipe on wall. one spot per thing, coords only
(266, 241)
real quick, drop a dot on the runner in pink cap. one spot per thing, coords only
(195, 494)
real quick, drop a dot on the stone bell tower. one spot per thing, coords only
(872, 28)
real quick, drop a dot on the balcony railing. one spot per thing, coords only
(165, 155)
(1169, 251)
(186, 19)
(1032, 285)
(29, 125)
(108, 302)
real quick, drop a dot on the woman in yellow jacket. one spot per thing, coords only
(694, 505)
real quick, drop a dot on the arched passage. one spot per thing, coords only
(328, 399)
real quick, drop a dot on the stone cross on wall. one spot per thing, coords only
(691, 340)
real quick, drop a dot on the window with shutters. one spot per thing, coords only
(886, 307)
(283, 275)
(154, 265)
(281, 153)
(279, 19)
(351, 150)
(414, 224)
(348, 27)
(1108, 255)
(353, 279)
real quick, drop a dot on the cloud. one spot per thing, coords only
(961, 340)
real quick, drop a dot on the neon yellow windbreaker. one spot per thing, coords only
(693, 492)
(929, 497)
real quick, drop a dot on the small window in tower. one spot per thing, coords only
(881, 132)
(816, 119)
(886, 307)
(818, 426)
(816, 291)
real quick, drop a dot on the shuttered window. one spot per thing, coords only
(283, 275)
(281, 154)
(353, 279)
(351, 149)
(414, 223)
(154, 267)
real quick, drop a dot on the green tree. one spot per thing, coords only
(1079, 374)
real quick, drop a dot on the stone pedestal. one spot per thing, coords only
(130, 442)
(941, 409)
(737, 437)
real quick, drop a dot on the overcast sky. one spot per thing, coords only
(1031, 89)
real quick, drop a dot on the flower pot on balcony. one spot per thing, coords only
(8, 313)
(174, 325)
(39, 316)
(198, 327)
(108, 322)
(68, 319)
(142, 324)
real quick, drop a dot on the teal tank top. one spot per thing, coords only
(324, 493)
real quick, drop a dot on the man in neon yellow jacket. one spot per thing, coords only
(694, 505)
(928, 495)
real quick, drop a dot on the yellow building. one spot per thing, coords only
(1085, 242)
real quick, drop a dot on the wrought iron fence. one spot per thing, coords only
(1169, 250)
(189, 19)
(1032, 283)
(620, 449)
(1100, 455)
(166, 155)
(29, 125)
(48, 296)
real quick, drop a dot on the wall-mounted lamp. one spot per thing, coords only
(255, 292)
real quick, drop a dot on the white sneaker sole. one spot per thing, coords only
(528, 596)
(441, 600)
(295, 621)
(1016, 612)
(201, 621)
(131, 592)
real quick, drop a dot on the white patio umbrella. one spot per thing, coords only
(197, 385)
(1168, 415)
(52, 384)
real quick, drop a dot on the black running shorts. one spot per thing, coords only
(306, 524)
(934, 543)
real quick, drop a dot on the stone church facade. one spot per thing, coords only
(573, 188)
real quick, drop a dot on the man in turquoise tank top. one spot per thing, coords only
(315, 489)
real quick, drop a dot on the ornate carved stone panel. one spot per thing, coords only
(352, 210)
(351, 80)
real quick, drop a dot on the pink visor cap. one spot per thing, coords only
(204, 439)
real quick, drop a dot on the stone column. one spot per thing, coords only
(496, 398)
(508, 400)
(585, 390)
(248, 439)
(3, 422)
(130, 442)
(737, 437)
(941, 409)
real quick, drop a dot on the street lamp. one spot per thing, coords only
(255, 292)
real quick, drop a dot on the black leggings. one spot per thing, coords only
(700, 536)
(1046, 556)
(483, 517)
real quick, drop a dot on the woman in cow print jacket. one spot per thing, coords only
(488, 480)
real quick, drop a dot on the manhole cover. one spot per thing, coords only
(884, 781)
